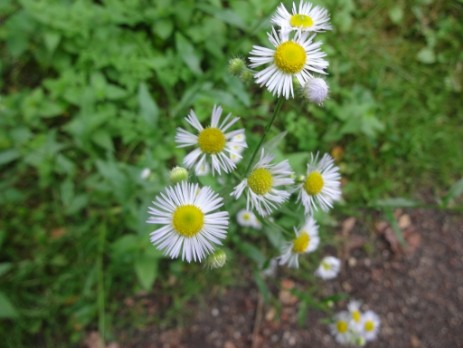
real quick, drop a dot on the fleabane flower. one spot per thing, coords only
(370, 325)
(306, 17)
(321, 186)
(306, 241)
(340, 328)
(213, 144)
(329, 268)
(190, 227)
(247, 218)
(355, 315)
(239, 142)
(261, 185)
(291, 58)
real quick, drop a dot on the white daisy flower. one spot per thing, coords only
(355, 315)
(190, 227)
(262, 183)
(297, 57)
(321, 186)
(370, 325)
(213, 144)
(329, 268)
(305, 18)
(247, 218)
(340, 328)
(306, 241)
(316, 90)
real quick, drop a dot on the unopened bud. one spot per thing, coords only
(316, 90)
(247, 75)
(178, 174)
(216, 260)
(300, 178)
(359, 341)
(236, 66)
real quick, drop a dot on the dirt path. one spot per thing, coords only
(418, 294)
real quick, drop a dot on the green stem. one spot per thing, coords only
(101, 292)
(276, 111)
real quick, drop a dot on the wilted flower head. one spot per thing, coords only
(316, 90)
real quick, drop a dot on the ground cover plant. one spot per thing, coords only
(92, 93)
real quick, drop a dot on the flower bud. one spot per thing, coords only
(216, 260)
(247, 75)
(316, 90)
(178, 174)
(236, 66)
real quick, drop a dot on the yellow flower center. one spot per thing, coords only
(301, 21)
(246, 217)
(290, 57)
(369, 326)
(188, 220)
(342, 326)
(211, 140)
(326, 266)
(260, 181)
(356, 316)
(313, 184)
(301, 243)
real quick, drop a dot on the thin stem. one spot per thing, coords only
(276, 111)
(101, 291)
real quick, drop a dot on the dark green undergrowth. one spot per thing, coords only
(91, 93)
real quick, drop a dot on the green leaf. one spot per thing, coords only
(148, 107)
(146, 268)
(163, 28)
(252, 252)
(426, 55)
(8, 156)
(395, 203)
(454, 191)
(7, 309)
(396, 14)
(5, 267)
(271, 145)
(187, 53)
(52, 40)
(226, 15)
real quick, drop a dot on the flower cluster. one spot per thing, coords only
(193, 220)
(190, 229)
(353, 327)
(295, 55)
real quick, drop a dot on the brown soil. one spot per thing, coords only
(416, 290)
